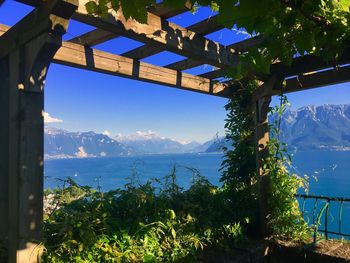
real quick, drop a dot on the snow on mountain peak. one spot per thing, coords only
(140, 136)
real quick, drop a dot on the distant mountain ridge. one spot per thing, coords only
(63, 144)
(317, 127)
(325, 127)
(150, 143)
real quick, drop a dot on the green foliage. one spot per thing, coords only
(238, 167)
(285, 218)
(289, 27)
(153, 222)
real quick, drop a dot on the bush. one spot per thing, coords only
(153, 222)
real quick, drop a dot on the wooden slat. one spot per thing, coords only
(214, 74)
(93, 37)
(75, 55)
(79, 56)
(165, 11)
(204, 27)
(163, 34)
(142, 52)
(316, 80)
(241, 46)
(98, 36)
(185, 64)
(307, 64)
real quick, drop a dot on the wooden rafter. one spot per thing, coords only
(93, 37)
(79, 56)
(162, 35)
(241, 46)
(165, 35)
(203, 27)
(317, 79)
(98, 36)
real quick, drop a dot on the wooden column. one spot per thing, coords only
(262, 99)
(262, 138)
(26, 51)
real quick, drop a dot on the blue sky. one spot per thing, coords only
(85, 100)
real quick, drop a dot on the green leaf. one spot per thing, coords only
(91, 7)
(173, 233)
(149, 258)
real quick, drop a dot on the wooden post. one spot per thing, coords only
(26, 52)
(262, 138)
(262, 99)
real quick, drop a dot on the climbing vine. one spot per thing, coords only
(285, 219)
(239, 168)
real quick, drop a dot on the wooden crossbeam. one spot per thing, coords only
(241, 46)
(316, 80)
(307, 64)
(163, 34)
(300, 65)
(93, 37)
(166, 11)
(204, 27)
(98, 36)
(185, 64)
(79, 56)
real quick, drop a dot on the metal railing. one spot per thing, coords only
(325, 210)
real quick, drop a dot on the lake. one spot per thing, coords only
(329, 173)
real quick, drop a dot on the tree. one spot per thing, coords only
(289, 27)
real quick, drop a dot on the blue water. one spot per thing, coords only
(113, 172)
(328, 172)
(329, 175)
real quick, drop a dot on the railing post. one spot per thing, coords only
(326, 220)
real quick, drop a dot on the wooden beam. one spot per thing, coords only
(204, 27)
(166, 11)
(98, 36)
(307, 64)
(75, 55)
(315, 80)
(93, 37)
(163, 34)
(185, 64)
(241, 46)
(214, 74)
(29, 26)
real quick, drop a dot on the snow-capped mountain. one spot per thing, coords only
(321, 127)
(151, 143)
(63, 144)
(310, 127)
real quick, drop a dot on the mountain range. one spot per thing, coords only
(325, 127)
(322, 127)
(60, 143)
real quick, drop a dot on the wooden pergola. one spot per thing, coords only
(28, 48)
